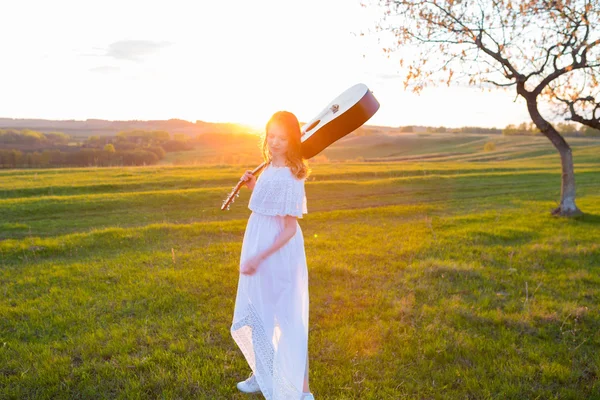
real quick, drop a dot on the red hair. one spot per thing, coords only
(291, 126)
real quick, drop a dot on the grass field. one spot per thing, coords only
(440, 277)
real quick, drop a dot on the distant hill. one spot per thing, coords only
(102, 127)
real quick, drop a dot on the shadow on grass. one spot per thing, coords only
(593, 219)
(504, 237)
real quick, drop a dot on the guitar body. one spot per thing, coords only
(343, 115)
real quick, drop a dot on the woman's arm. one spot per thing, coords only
(288, 232)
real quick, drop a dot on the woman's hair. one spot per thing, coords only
(294, 160)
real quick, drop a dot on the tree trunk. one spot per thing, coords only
(567, 207)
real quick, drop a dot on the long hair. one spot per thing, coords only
(287, 120)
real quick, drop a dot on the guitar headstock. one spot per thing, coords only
(235, 192)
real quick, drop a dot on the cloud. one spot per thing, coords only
(105, 69)
(134, 50)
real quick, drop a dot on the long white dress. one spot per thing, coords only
(270, 319)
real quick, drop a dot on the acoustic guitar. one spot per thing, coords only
(343, 115)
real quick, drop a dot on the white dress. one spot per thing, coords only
(270, 319)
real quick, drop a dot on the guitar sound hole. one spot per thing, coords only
(312, 126)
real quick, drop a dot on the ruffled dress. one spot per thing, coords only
(270, 319)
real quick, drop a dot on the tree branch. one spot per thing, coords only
(498, 57)
(500, 84)
(593, 122)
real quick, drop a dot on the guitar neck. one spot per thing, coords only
(259, 168)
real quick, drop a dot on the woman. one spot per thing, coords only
(270, 322)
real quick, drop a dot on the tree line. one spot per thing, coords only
(563, 128)
(29, 137)
(31, 149)
(525, 128)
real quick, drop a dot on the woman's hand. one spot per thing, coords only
(250, 266)
(249, 179)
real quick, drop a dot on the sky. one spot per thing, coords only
(215, 61)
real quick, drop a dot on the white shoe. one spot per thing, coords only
(250, 385)
(308, 396)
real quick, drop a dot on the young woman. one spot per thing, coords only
(270, 320)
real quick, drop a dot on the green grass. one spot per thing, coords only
(428, 280)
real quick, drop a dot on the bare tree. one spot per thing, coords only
(548, 51)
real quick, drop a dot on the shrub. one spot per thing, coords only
(489, 146)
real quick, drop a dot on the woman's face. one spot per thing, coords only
(277, 140)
